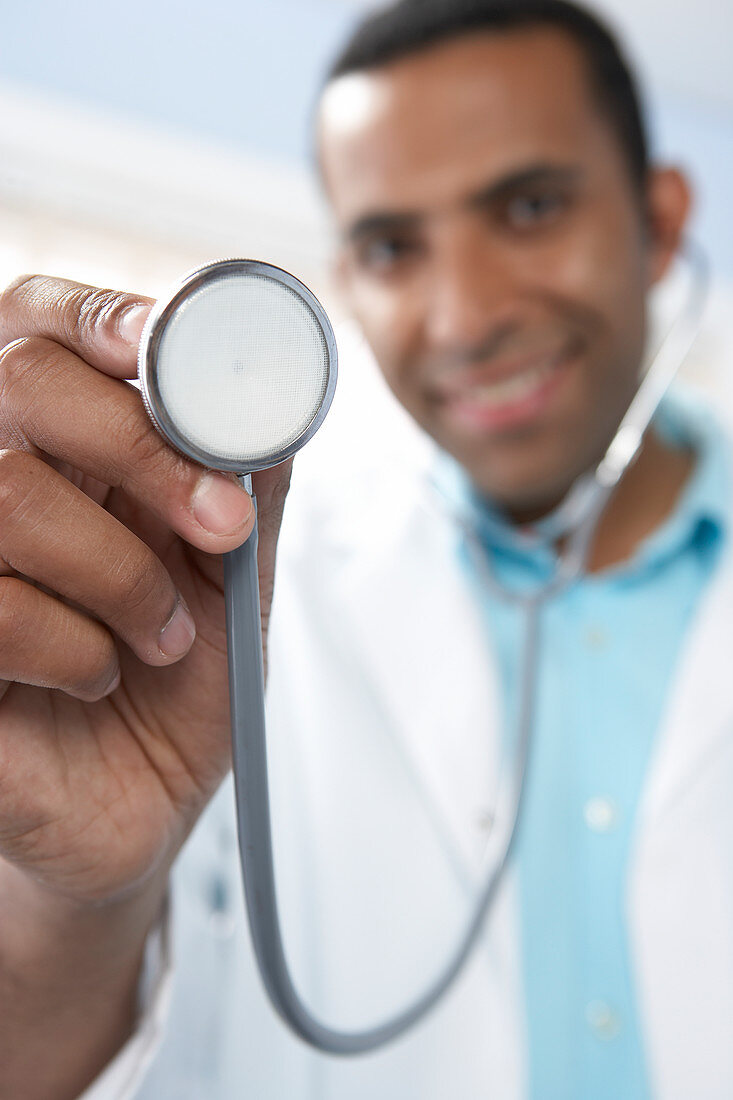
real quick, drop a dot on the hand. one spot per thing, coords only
(114, 721)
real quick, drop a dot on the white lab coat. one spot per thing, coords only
(379, 655)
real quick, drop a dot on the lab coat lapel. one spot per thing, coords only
(680, 893)
(699, 714)
(438, 683)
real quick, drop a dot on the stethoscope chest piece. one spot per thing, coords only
(237, 365)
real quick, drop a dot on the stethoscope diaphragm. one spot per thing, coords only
(237, 365)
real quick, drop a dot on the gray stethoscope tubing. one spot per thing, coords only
(576, 518)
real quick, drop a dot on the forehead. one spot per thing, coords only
(410, 134)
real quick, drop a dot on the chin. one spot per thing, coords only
(527, 494)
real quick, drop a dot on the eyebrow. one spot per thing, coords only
(373, 224)
(378, 222)
(527, 177)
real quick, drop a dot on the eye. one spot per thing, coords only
(382, 254)
(533, 209)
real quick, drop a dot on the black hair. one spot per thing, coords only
(408, 26)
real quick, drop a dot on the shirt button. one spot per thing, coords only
(595, 637)
(602, 1020)
(221, 922)
(484, 821)
(600, 814)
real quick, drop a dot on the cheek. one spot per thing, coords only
(595, 277)
(391, 323)
(602, 267)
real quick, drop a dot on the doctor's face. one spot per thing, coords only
(494, 250)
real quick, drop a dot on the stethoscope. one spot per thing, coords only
(237, 369)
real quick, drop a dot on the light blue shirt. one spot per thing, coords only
(609, 646)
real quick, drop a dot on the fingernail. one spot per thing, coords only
(221, 505)
(178, 634)
(131, 324)
(114, 684)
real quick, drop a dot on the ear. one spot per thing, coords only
(669, 198)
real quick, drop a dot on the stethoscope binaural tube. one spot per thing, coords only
(576, 520)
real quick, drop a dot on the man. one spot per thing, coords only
(500, 229)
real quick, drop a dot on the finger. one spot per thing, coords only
(45, 643)
(53, 401)
(52, 532)
(5, 571)
(103, 327)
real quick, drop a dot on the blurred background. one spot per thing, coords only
(137, 141)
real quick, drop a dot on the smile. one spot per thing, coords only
(513, 400)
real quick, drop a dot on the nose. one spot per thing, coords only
(471, 297)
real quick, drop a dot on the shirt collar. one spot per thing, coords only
(700, 520)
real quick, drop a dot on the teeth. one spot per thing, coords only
(510, 389)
